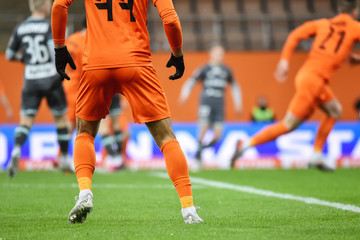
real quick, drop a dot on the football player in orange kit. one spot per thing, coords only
(334, 40)
(117, 59)
(76, 45)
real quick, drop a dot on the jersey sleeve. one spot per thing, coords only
(200, 73)
(305, 31)
(230, 77)
(14, 42)
(59, 15)
(171, 23)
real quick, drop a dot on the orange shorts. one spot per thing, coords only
(311, 92)
(139, 85)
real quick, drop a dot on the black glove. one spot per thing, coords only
(63, 57)
(178, 63)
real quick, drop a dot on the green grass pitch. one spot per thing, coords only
(139, 205)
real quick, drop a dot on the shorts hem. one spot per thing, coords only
(90, 119)
(146, 120)
(57, 113)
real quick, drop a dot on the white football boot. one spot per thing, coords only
(190, 216)
(66, 164)
(318, 161)
(84, 205)
(14, 161)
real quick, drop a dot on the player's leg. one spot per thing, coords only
(107, 140)
(84, 162)
(56, 100)
(301, 107)
(176, 166)
(93, 101)
(333, 111)
(30, 102)
(115, 111)
(267, 134)
(149, 105)
(21, 134)
(64, 137)
(118, 134)
(204, 125)
(332, 108)
(218, 131)
(217, 117)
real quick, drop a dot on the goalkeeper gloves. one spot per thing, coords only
(178, 63)
(62, 58)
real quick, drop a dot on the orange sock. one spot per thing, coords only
(177, 169)
(269, 133)
(84, 160)
(325, 127)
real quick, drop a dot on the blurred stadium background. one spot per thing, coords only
(253, 32)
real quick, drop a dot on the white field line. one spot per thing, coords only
(106, 186)
(247, 189)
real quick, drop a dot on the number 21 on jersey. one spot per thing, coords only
(340, 35)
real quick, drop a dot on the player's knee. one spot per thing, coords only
(88, 127)
(291, 122)
(336, 111)
(27, 121)
(162, 137)
(61, 121)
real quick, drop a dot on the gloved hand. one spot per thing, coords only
(63, 57)
(178, 63)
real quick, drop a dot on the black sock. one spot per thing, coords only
(119, 138)
(21, 134)
(63, 139)
(212, 143)
(108, 143)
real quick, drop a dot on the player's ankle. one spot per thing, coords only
(186, 201)
(85, 192)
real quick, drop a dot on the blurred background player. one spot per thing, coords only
(111, 140)
(215, 76)
(115, 62)
(33, 40)
(112, 136)
(5, 102)
(76, 45)
(262, 113)
(334, 40)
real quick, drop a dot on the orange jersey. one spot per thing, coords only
(76, 46)
(117, 34)
(334, 40)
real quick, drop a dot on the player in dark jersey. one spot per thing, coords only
(215, 76)
(32, 44)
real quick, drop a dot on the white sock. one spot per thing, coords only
(245, 145)
(84, 192)
(16, 150)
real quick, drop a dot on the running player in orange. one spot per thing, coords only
(75, 45)
(117, 59)
(334, 40)
(112, 143)
(5, 102)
